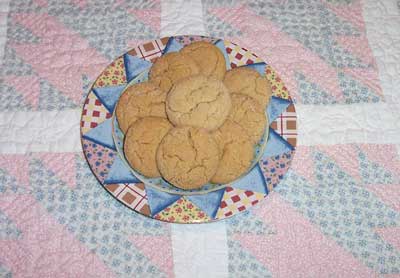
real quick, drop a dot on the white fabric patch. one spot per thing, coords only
(180, 17)
(200, 250)
(382, 21)
(56, 131)
(343, 124)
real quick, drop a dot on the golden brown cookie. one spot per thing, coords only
(198, 101)
(237, 152)
(208, 57)
(249, 114)
(138, 101)
(246, 81)
(141, 143)
(120, 107)
(170, 68)
(188, 157)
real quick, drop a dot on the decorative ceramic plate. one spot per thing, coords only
(102, 141)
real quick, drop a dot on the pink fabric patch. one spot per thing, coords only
(62, 165)
(60, 56)
(298, 248)
(45, 248)
(151, 246)
(303, 163)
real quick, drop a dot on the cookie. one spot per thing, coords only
(237, 152)
(188, 157)
(141, 143)
(246, 81)
(208, 57)
(138, 101)
(170, 68)
(198, 101)
(121, 106)
(249, 114)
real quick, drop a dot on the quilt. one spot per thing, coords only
(336, 213)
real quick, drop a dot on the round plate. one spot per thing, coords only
(102, 141)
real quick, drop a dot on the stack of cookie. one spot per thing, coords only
(194, 122)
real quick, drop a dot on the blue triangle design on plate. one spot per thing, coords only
(134, 66)
(253, 181)
(101, 134)
(260, 67)
(276, 145)
(276, 107)
(220, 44)
(172, 46)
(120, 173)
(109, 95)
(209, 203)
(159, 200)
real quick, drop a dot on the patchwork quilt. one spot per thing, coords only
(336, 213)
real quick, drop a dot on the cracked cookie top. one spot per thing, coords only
(138, 101)
(170, 68)
(246, 81)
(236, 150)
(249, 114)
(188, 157)
(208, 57)
(141, 143)
(198, 101)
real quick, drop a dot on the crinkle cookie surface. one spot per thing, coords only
(188, 157)
(198, 101)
